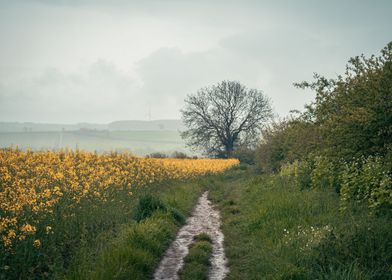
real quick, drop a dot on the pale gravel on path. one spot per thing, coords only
(205, 219)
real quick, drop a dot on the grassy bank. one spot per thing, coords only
(133, 250)
(273, 230)
(123, 238)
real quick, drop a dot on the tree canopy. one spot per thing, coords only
(343, 140)
(220, 117)
(354, 111)
(351, 116)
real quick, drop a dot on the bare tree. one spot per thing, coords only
(224, 115)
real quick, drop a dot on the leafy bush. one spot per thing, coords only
(289, 169)
(156, 155)
(300, 172)
(304, 175)
(353, 112)
(364, 181)
(177, 154)
(325, 173)
(245, 155)
(350, 118)
(367, 181)
(286, 141)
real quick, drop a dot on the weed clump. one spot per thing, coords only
(148, 204)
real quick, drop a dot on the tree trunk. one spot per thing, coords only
(229, 148)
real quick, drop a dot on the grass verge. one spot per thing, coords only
(273, 230)
(133, 250)
(197, 262)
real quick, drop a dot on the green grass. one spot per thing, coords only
(197, 262)
(275, 231)
(134, 249)
(134, 253)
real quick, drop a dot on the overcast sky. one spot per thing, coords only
(101, 61)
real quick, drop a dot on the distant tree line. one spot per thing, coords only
(175, 154)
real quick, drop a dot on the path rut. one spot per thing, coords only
(205, 219)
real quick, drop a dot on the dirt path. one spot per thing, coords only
(204, 219)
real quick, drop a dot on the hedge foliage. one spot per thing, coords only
(343, 140)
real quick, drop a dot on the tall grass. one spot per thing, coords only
(136, 246)
(85, 237)
(274, 230)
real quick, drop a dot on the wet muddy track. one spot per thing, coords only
(204, 219)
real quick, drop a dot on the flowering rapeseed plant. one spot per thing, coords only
(33, 183)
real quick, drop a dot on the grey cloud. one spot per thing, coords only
(169, 72)
(293, 55)
(319, 13)
(290, 56)
(171, 49)
(94, 94)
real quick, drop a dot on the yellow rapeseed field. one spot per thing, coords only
(33, 183)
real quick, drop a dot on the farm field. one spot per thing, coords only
(137, 142)
(54, 202)
(273, 229)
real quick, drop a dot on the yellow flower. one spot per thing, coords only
(37, 243)
(11, 234)
(35, 182)
(27, 228)
(48, 229)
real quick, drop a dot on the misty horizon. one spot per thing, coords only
(85, 122)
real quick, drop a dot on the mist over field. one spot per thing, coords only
(74, 63)
(138, 137)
